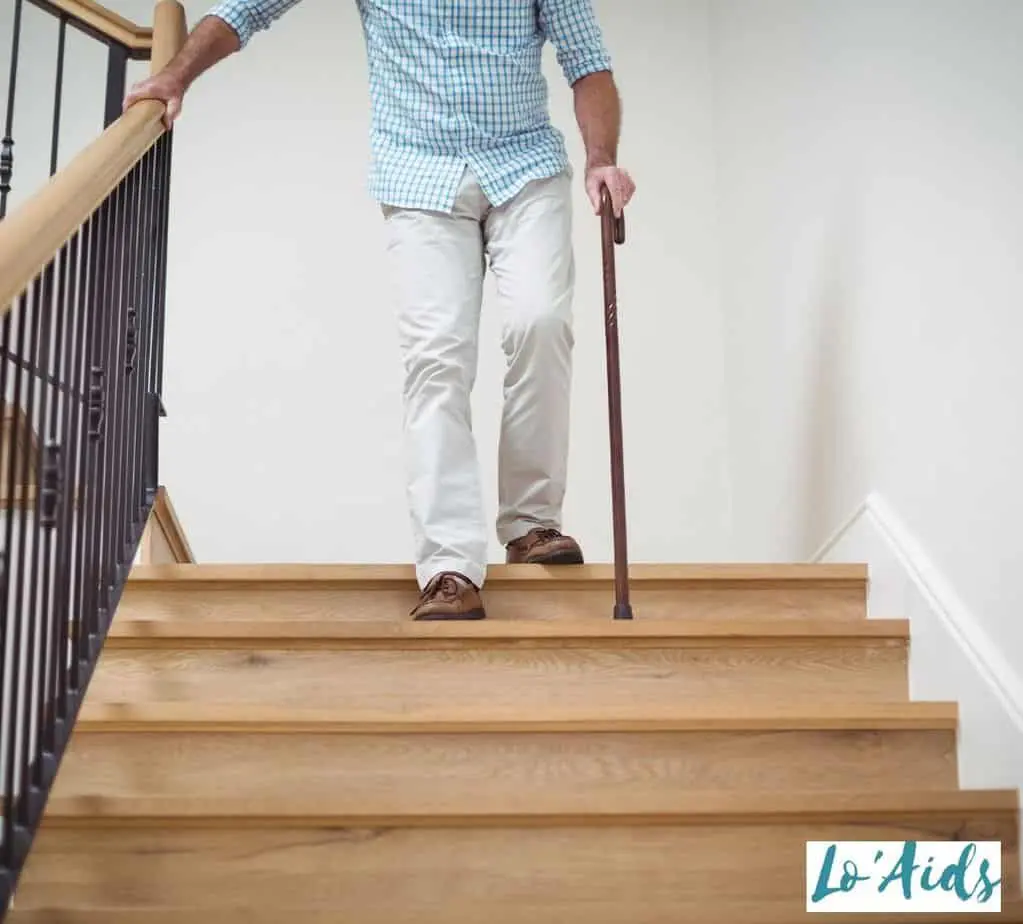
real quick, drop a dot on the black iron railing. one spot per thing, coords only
(118, 55)
(80, 371)
(81, 368)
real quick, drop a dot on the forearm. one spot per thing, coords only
(598, 111)
(210, 42)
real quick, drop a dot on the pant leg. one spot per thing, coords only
(529, 242)
(437, 266)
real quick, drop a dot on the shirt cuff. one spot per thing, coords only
(238, 17)
(575, 67)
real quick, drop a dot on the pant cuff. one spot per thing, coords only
(426, 571)
(520, 528)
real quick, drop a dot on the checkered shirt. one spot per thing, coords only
(457, 84)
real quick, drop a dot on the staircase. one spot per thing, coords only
(196, 744)
(280, 744)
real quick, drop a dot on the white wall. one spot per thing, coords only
(871, 218)
(283, 373)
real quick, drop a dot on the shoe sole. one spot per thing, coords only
(470, 616)
(567, 557)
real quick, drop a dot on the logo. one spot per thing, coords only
(904, 876)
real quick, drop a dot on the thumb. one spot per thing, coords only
(593, 191)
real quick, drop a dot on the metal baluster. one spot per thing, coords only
(165, 146)
(135, 359)
(51, 502)
(117, 74)
(98, 413)
(143, 384)
(149, 412)
(15, 319)
(41, 573)
(110, 362)
(28, 558)
(112, 554)
(58, 94)
(16, 512)
(125, 506)
(7, 142)
(78, 448)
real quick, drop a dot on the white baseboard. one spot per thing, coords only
(952, 657)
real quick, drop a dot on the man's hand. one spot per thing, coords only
(618, 183)
(166, 87)
(211, 41)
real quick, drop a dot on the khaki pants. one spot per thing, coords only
(438, 263)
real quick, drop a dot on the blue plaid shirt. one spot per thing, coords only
(457, 84)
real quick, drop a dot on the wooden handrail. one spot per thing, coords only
(134, 37)
(34, 233)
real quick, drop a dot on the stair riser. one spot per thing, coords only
(663, 600)
(775, 912)
(639, 874)
(411, 768)
(838, 671)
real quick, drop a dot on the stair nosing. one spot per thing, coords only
(127, 632)
(526, 808)
(181, 718)
(527, 575)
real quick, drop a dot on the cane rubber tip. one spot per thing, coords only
(623, 611)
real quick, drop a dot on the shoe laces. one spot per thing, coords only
(444, 585)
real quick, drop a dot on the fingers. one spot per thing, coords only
(617, 198)
(622, 190)
(139, 92)
(628, 189)
(147, 90)
(619, 184)
(173, 110)
(130, 100)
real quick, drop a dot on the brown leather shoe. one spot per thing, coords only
(449, 595)
(544, 547)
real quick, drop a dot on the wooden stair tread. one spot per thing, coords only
(529, 807)
(371, 593)
(527, 577)
(761, 912)
(129, 632)
(477, 718)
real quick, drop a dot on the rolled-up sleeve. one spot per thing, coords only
(571, 27)
(247, 17)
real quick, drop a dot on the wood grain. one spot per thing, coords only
(522, 678)
(471, 717)
(620, 872)
(672, 911)
(518, 599)
(129, 633)
(530, 808)
(164, 540)
(531, 574)
(153, 546)
(422, 765)
(170, 29)
(97, 17)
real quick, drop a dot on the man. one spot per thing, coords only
(468, 170)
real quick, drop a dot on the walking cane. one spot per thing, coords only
(612, 233)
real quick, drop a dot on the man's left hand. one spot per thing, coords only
(618, 182)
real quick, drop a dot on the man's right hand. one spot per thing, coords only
(166, 87)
